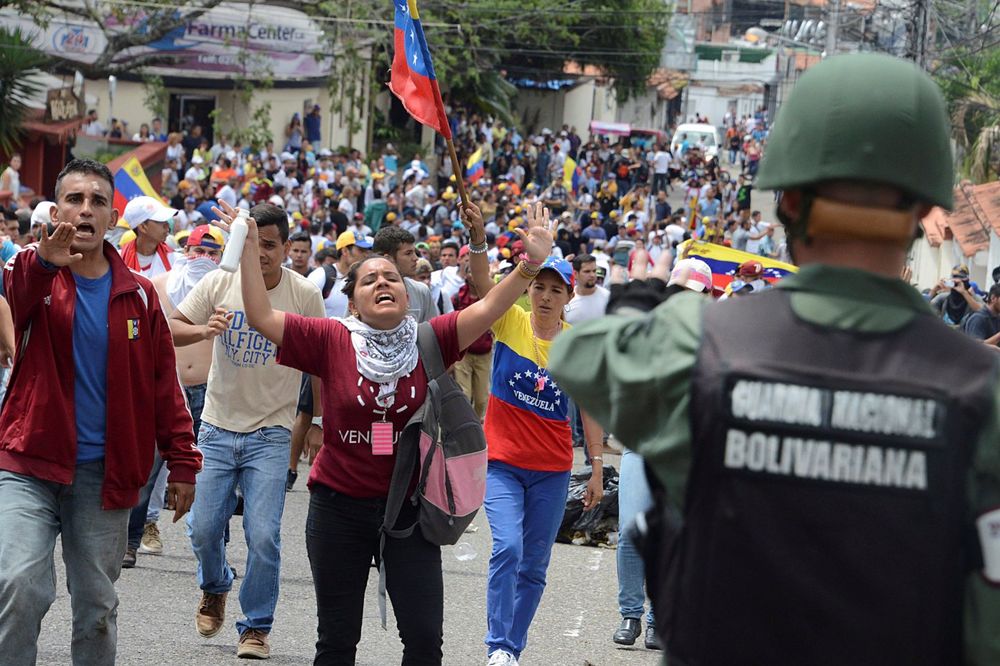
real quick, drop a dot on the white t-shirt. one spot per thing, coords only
(753, 246)
(584, 308)
(151, 265)
(227, 194)
(247, 389)
(336, 302)
(661, 161)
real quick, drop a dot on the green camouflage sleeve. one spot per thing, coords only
(632, 373)
(982, 599)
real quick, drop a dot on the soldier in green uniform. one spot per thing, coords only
(832, 447)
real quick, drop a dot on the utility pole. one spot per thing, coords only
(831, 29)
(920, 33)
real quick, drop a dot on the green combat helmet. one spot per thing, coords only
(862, 117)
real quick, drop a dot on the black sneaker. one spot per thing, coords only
(128, 562)
(290, 480)
(652, 640)
(628, 631)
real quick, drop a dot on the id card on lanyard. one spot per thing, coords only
(382, 435)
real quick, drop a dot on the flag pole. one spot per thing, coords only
(456, 168)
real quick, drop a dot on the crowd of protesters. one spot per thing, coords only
(329, 226)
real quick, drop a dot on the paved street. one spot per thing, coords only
(158, 599)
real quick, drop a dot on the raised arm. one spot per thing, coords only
(479, 264)
(269, 322)
(478, 317)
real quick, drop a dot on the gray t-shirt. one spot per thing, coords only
(740, 238)
(422, 306)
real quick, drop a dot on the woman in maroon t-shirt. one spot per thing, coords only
(373, 380)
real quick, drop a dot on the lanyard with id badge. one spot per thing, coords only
(382, 435)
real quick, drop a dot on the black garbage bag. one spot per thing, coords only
(600, 524)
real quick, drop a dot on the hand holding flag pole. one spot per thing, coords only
(413, 81)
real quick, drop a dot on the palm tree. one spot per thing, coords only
(20, 65)
(976, 123)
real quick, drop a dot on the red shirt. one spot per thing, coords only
(38, 422)
(322, 347)
(463, 299)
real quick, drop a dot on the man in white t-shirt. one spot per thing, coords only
(245, 433)
(352, 247)
(589, 302)
(661, 169)
(150, 220)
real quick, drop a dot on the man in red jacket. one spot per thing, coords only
(91, 340)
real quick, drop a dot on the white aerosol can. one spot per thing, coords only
(234, 246)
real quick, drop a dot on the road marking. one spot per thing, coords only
(594, 564)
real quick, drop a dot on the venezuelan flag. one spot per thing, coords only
(724, 261)
(413, 80)
(572, 175)
(131, 182)
(474, 168)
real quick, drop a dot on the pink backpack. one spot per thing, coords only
(446, 439)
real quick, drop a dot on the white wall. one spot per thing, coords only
(647, 111)
(578, 105)
(931, 264)
(538, 109)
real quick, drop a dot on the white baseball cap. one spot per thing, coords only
(42, 213)
(693, 274)
(141, 209)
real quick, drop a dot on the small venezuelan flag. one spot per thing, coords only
(474, 168)
(133, 329)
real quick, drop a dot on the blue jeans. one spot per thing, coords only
(524, 509)
(32, 514)
(151, 496)
(258, 462)
(633, 498)
(139, 515)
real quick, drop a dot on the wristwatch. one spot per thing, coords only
(317, 421)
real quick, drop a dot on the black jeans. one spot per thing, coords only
(342, 536)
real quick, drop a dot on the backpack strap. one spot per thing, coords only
(406, 457)
(429, 351)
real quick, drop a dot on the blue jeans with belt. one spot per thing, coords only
(258, 462)
(32, 514)
(633, 497)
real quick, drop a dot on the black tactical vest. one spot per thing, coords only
(826, 521)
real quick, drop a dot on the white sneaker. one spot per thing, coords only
(502, 658)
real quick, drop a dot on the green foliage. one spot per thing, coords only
(19, 65)
(970, 80)
(478, 44)
(157, 98)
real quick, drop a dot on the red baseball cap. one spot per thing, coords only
(750, 268)
(205, 235)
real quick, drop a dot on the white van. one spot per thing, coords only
(695, 132)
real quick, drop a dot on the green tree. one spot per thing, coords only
(970, 79)
(20, 64)
(479, 45)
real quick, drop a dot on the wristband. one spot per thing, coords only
(527, 273)
(479, 248)
(597, 458)
(317, 421)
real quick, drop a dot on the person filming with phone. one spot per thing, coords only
(954, 299)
